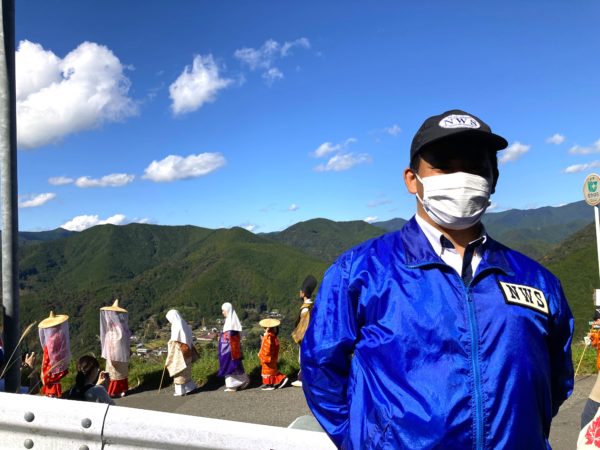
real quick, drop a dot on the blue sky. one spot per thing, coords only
(263, 114)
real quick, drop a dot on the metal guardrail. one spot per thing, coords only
(28, 421)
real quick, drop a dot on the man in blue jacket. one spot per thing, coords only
(437, 336)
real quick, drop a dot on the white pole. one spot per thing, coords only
(597, 216)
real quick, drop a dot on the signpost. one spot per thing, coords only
(591, 195)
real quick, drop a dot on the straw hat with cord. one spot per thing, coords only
(52, 320)
(114, 307)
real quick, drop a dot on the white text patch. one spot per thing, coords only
(517, 294)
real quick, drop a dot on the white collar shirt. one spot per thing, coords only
(449, 255)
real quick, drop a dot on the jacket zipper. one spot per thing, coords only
(476, 373)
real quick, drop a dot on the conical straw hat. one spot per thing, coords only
(115, 307)
(52, 320)
(269, 323)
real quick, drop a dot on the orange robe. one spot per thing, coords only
(268, 355)
(595, 337)
(51, 381)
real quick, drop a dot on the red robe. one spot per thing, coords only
(268, 355)
(51, 382)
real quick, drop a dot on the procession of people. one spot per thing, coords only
(94, 384)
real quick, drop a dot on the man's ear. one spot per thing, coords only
(410, 180)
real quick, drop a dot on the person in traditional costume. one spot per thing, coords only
(54, 337)
(115, 340)
(181, 354)
(308, 286)
(90, 382)
(272, 378)
(29, 375)
(230, 352)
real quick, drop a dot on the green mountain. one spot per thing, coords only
(325, 239)
(575, 263)
(154, 268)
(533, 232)
(390, 225)
(35, 237)
(536, 231)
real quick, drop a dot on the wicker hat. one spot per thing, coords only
(269, 323)
(115, 307)
(52, 320)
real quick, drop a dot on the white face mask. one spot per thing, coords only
(455, 200)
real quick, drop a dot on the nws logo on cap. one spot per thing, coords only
(459, 121)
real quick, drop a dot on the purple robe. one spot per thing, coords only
(228, 365)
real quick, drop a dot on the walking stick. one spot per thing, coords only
(580, 360)
(582, 355)
(161, 379)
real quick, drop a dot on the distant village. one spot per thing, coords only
(144, 346)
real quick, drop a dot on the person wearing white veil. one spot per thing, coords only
(230, 352)
(115, 341)
(180, 354)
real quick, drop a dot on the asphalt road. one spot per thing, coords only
(281, 407)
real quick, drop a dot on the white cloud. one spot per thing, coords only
(293, 207)
(83, 222)
(196, 85)
(513, 152)
(556, 139)
(375, 203)
(287, 46)
(175, 167)
(594, 148)
(370, 219)
(36, 200)
(59, 181)
(576, 168)
(344, 161)
(493, 207)
(112, 180)
(57, 97)
(393, 130)
(250, 227)
(272, 74)
(264, 58)
(327, 147)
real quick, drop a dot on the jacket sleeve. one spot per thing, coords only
(326, 351)
(560, 351)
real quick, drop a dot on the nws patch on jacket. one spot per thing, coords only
(518, 294)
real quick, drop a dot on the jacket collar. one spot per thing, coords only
(419, 252)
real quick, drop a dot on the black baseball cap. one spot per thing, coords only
(457, 127)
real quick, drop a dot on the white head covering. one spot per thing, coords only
(180, 330)
(232, 323)
(56, 339)
(114, 335)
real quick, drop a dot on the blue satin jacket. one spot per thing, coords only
(401, 354)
